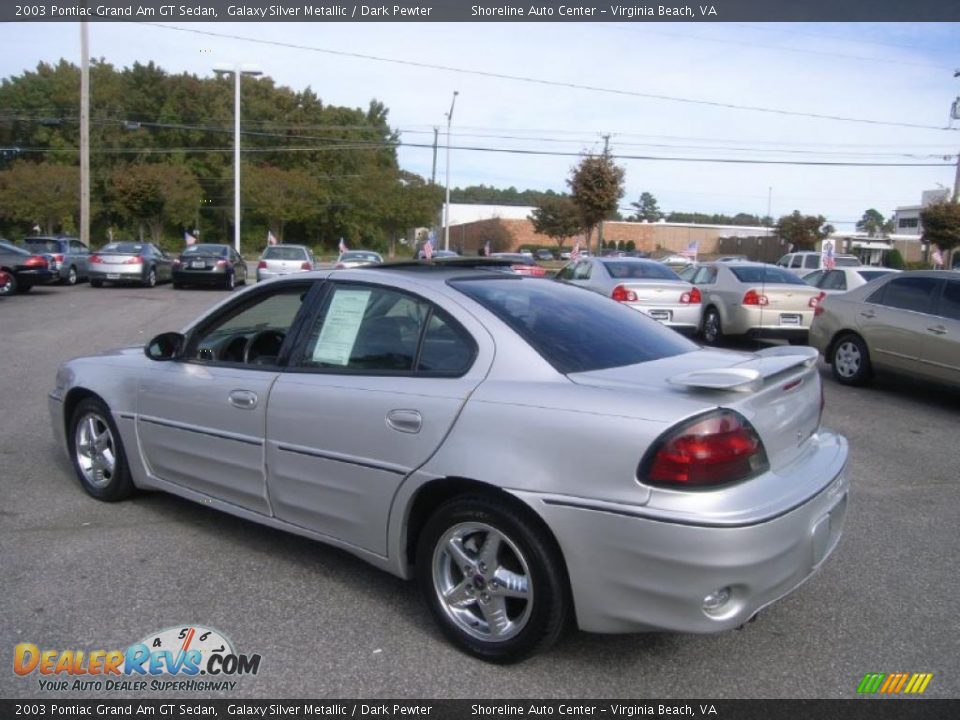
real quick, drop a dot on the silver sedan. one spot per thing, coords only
(278, 260)
(531, 453)
(644, 285)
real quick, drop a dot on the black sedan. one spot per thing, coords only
(22, 269)
(209, 265)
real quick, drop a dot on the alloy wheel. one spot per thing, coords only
(95, 450)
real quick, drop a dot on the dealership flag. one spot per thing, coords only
(937, 258)
(342, 247)
(692, 248)
(271, 238)
(189, 239)
(428, 247)
(829, 259)
(575, 253)
(486, 248)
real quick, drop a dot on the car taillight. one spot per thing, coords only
(95, 259)
(306, 266)
(35, 261)
(58, 259)
(621, 294)
(262, 265)
(176, 262)
(339, 266)
(136, 260)
(691, 298)
(752, 297)
(714, 449)
(221, 263)
(529, 270)
(817, 303)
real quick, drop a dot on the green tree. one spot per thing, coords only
(408, 202)
(596, 186)
(153, 195)
(277, 196)
(558, 218)
(647, 208)
(803, 231)
(873, 223)
(941, 226)
(41, 193)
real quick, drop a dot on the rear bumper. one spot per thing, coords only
(267, 274)
(29, 278)
(685, 318)
(118, 273)
(631, 572)
(752, 321)
(200, 277)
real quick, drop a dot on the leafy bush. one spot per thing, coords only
(894, 259)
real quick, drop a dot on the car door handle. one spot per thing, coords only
(869, 314)
(405, 421)
(243, 399)
(937, 329)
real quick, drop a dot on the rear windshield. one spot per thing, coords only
(364, 256)
(575, 330)
(639, 271)
(43, 245)
(869, 275)
(841, 261)
(765, 274)
(123, 247)
(284, 253)
(206, 250)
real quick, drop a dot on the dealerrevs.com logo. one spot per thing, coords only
(184, 658)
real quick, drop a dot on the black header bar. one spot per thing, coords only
(485, 11)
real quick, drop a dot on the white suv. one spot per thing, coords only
(802, 263)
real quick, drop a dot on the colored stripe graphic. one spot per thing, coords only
(894, 683)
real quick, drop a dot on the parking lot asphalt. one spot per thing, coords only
(80, 574)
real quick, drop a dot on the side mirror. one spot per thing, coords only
(165, 346)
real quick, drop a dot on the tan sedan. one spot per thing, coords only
(754, 300)
(905, 322)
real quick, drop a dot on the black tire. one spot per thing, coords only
(850, 360)
(24, 288)
(712, 327)
(231, 280)
(177, 285)
(91, 435)
(527, 557)
(151, 279)
(96, 283)
(72, 277)
(10, 286)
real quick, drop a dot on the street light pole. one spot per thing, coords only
(237, 72)
(446, 205)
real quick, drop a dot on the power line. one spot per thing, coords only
(550, 83)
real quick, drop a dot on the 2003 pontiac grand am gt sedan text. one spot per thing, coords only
(531, 453)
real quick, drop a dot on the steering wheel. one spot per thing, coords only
(265, 342)
(234, 350)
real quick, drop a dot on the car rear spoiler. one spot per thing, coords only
(749, 376)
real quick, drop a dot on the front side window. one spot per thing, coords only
(811, 261)
(907, 293)
(796, 261)
(252, 332)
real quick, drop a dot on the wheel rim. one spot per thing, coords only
(230, 281)
(6, 288)
(72, 277)
(152, 278)
(847, 359)
(482, 582)
(95, 450)
(711, 327)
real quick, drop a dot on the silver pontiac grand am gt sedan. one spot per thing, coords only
(532, 454)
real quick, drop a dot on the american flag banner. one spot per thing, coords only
(829, 258)
(693, 247)
(342, 247)
(937, 258)
(428, 247)
(189, 239)
(486, 249)
(271, 238)
(575, 253)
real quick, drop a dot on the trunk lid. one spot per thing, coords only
(777, 390)
(658, 292)
(787, 298)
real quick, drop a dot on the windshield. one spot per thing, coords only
(639, 271)
(206, 250)
(278, 252)
(574, 330)
(765, 274)
(128, 248)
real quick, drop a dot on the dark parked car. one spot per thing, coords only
(129, 261)
(23, 269)
(67, 256)
(209, 265)
(543, 254)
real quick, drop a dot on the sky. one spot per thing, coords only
(560, 87)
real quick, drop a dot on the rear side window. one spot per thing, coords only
(795, 262)
(950, 301)
(908, 293)
(765, 274)
(574, 331)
